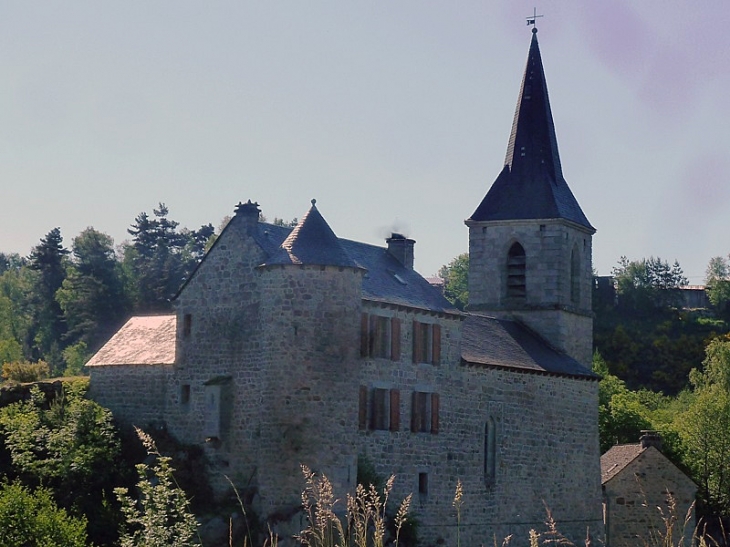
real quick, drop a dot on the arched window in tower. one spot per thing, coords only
(490, 451)
(516, 266)
(575, 276)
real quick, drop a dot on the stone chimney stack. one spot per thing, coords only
(650, 438)
(401, 247)
(249, 214)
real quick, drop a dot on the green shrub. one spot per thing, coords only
(75, 357)
(23, 371)
(69, 446)
(161, 517)
(31, 519)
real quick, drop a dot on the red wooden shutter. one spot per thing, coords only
(364, 335)
(394, 410)
(417, 342)
(436, 339)
(395, 339)
(434, 413)
(362, 416)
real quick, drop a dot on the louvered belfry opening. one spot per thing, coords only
(516, 265)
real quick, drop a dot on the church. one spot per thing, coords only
(296, 346)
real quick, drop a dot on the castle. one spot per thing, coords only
(294, 346)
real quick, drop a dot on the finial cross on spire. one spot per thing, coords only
(533, 20)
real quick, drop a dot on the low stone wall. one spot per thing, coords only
(14, 393)
(134, 393)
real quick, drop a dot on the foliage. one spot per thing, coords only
(32, 519)
(68, 445)
(621, 415)
(704, 428)
(161, 516)
(161, 257)
(48, 258)
(287, 223)
(92, 294)
(456, 280)
(717, 280)
(655, 351)
(647, 285)
(75, 357)
(23, 371)
(17, 312)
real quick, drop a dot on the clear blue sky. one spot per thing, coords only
(393, 114)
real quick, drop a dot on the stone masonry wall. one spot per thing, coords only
(634, 496)
(134, 393)
(547, 308)
(224, 349)
(548, 245)
(309, 395)
(547, 450)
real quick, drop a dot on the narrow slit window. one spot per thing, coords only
(575, 276)
(490, 451)
(516, 272)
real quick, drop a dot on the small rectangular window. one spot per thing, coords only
(187, 325)
(423, 484)
(185, 394)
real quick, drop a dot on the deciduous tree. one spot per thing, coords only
(456, 280)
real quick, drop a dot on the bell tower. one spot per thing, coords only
(530, 245)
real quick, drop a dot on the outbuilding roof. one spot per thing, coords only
(617, 458)
(143, 340)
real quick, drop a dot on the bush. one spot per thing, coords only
(31, 519)
(161, 517)
(70, 446)
(23, 371)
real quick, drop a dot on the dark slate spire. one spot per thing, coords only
(312, 242)
(531, 185)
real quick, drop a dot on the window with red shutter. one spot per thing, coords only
(380, 337)
(425, 412)
(426, 343)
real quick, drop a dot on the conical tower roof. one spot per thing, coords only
(531, 185)
(312, 242)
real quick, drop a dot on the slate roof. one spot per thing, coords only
(146, 340)
(531, 184)
(507, 344)
(617, 458)
(385, 279)
(312, 242)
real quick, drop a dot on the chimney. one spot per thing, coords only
(401, 247)
(249, 214)
(650, 438)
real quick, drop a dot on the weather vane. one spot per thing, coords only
(533, 20)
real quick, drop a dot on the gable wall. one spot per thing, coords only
(633, 497)
(223, 299)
